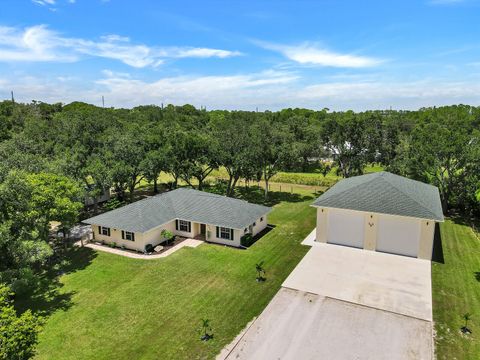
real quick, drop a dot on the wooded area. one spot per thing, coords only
(52, 155)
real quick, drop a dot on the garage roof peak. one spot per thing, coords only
(384, 193)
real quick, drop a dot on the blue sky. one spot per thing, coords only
(242, 54)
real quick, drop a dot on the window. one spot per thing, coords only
(261, 219)
(245, 231)
(183, 225)
(254, 224)
(127, 235)
(104, 230)
(224, 233)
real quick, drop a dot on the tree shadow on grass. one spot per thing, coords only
(255, 194)
(47, 296)
(477, 275)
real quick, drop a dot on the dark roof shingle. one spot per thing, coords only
(385, 193)
(185, 204)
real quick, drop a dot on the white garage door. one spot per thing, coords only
(345, 228)
(398, 235)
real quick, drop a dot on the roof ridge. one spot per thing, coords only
(353, 187)
(407, 195)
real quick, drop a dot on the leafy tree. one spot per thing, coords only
(273, 147)
(232, 132)
(351, 139)
(53, 198)
(18, 334)
(437, 149)
(97, 169)
(195, 155)
(125, 157)
(158, 154)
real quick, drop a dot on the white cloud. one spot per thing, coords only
(205, 53)
(44, 2)
(39, 43)
(309, 54)
(445, 2)
(266, 90)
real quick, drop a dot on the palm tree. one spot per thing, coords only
(260, 271)
(205, 329)
(467, 317)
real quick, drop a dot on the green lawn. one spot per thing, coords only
(110, 307)
(456, 291)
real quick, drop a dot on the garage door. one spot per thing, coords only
(345, 228)
(398, 235)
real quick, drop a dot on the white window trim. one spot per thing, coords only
(183, 225)
(130, 236)
(104, 230)
(222, 231)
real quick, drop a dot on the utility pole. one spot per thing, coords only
(13, 99)
(103, 102)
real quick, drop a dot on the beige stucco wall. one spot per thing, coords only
(212, 236)
(154, 236)
(260, 225)
(370, 234)
(116, 237)
(322, 223)
(427, 231)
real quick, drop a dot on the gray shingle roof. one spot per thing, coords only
(384, 193)
(185, 204)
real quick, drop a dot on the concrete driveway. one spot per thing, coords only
(344, 303)
(298, 325)
(382, 281)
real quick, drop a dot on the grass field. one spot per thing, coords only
(110, 307)
(456, 291)
(313, 179)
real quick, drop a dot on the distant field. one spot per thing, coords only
(314, 179)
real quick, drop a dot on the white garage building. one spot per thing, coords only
(381, 212)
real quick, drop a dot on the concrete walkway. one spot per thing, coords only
(193, 243)
(310, 239)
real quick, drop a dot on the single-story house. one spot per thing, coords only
(185, 212)
(380, 212)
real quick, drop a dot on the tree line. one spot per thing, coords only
(52, 154)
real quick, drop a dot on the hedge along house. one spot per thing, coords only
(185, 212)
(380, 212)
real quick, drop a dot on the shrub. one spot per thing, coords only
(148, 248)
(113, 204)
(18, 333)
(311, 179)
(247, 240)
(167, 235)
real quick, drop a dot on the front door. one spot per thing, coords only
(202, 229)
